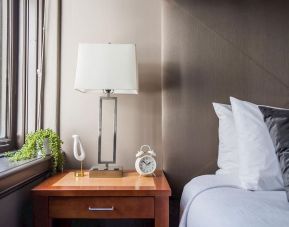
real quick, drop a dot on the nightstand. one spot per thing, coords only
(131, 197)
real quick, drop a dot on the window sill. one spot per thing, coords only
(16, 175)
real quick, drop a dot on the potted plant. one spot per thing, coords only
(40, 143)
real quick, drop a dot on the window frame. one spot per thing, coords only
(9, 142)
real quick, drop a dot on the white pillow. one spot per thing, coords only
(228, 145)
(259, 168)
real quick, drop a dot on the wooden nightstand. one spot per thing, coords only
(65, 197)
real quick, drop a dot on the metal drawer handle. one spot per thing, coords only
(100, 209)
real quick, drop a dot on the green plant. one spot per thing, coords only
(35, 143)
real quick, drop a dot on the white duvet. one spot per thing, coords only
(217, 200)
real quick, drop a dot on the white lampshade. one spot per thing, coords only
(107, 67)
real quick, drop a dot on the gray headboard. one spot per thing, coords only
(213, 50)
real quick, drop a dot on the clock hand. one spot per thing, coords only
(147, 163)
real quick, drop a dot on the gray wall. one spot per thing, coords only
(213, 50)
(139, 116)
(16, 208)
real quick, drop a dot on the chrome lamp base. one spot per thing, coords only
(107, 168)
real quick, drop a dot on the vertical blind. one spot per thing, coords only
(39, 60)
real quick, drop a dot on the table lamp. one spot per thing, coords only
(108, 69)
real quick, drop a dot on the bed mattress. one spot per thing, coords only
(217, 200)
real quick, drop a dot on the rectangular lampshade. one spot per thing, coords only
(107, 67)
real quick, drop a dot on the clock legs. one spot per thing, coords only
(162, 211)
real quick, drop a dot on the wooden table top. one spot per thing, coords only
(65, 184)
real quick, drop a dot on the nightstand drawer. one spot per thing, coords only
(101, 207)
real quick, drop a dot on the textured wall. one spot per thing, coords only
(139, 116)
(213, 50)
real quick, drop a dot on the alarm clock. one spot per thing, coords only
(145, 163)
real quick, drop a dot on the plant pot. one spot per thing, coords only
(46, 148)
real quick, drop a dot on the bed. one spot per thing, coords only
(218, 201)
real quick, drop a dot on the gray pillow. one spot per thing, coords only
(277, 121)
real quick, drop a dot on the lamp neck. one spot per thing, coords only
(108, 92)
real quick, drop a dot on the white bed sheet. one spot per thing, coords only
(217, 200)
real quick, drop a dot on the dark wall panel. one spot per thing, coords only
(16, 208)
(213, 50)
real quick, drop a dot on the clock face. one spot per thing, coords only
(147, 164)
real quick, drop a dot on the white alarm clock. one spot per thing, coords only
(145, 163)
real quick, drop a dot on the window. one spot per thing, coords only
(3, 76)
(3, 62)
(8, 73)
(21, 90)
